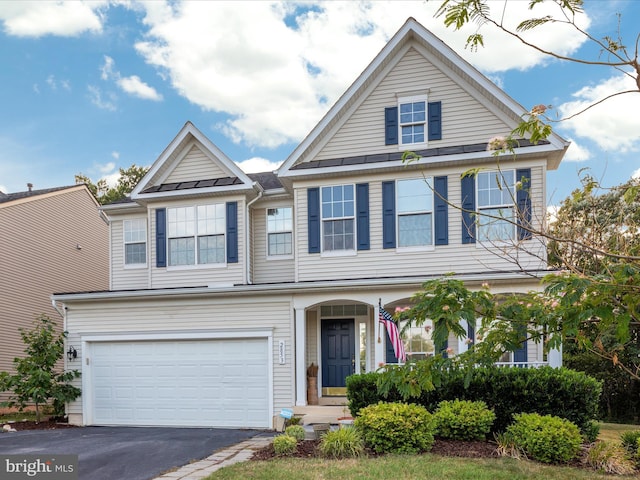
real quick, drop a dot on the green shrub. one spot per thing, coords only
(545, 438)
(284, 445)
(295, 431)
(342, 443)
(609, 457)
(396, 428)
(630, 441)
(463, 420)
(591, 432)
(506, 391)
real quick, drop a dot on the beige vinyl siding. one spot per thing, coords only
(39, 237)
(190, 315)
(268, 269)
(454, 257)
(125, 277)
(195, 165)
(198, 276)
(312, 338)
(464, 119)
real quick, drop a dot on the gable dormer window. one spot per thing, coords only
(413, 119)
(196, 235)
(135, 242)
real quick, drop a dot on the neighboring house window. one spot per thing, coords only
(338, 218)
(196, 235)
(418, 342)
(496, 206)
(415, 212)
(135, 241)
(413, 119)
(279, 231)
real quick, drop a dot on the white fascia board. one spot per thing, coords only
(193, 192)
(302, 287)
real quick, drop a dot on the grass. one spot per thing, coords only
(17, 417)
(407, 467)
(611, 431)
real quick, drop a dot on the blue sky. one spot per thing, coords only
(88, 87)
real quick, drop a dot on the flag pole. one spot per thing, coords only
(379, 306)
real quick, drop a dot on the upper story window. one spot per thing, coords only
(135, 241)
(196, 235)
(496, 206)
(415, 212)
(279, 231)
(412, 119)
(338, 218)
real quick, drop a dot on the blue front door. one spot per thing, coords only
(338, 352)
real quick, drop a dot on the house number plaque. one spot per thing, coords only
(281, 352)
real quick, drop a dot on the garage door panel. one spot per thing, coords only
(181, 383)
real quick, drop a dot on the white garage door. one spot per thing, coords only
(212, 383)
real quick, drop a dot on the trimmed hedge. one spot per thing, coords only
(506, 391)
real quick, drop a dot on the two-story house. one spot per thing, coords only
(226, 287)
(50, 239)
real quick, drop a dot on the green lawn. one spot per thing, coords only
(415, 467)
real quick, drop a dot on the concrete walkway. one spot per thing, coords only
(239, 452)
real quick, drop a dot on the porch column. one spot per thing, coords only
(554, 357)
(301, 353)
(379, 334)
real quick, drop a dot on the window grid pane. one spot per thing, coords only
(181, 251)
(338, 235)
(135, 253)
(414, 230)
(279, 219)
(280, 244)
(211, 249)
(337, 202)
(496, 229)
(135, 241)
(496, 188)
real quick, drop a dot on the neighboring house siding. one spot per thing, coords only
(38, 256)
(196, 315)
(125, 277)
(464, 119)
(196, 165)
(273, 269)
(379, 262)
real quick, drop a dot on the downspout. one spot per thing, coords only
(247, 242)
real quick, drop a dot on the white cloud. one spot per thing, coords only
(3, 189)
(136, 87)
(257, 165)
(636, 174)
(25, 18)
(115, 155)
(96, 97)
(613, 124)
(106, 168)
(276, 82)
(54, 83)
(106, 70)
(576, 152)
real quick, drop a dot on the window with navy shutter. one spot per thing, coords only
(523, 198)
(161, 237)
(468, 185)
(362, 219)
(389, 214)
(413, 121)
(441, 211)
(232, 232)
(313, 219)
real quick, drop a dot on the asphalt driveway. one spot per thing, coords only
(127, 453)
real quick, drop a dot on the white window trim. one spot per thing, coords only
(496, 243)
(134, 266)
(416, 248)
(267, 233)
(195, 236)
(411, 99)
(344, 252)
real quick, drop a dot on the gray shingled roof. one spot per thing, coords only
(267, 180)
(8, 197)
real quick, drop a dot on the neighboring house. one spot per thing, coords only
(50, 240)
(225, 286)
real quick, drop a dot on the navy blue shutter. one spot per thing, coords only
(232, 232)
(391, 126)
(523, 198)
(434, 116)
(362, 207)
(520, 355)
(389, 214)
(390, 354)
(161, 237)
(313, 219)
(441, 211)
(468, 209)
(471, 333)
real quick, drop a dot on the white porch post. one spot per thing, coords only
(301, 347)
(379, 334)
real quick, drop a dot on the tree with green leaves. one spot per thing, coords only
(127, 181)
(37, 381)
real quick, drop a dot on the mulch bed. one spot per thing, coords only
(42, 425)
(447, 448)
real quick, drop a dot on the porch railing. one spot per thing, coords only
(521, 364)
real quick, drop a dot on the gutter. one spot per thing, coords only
(247, 242)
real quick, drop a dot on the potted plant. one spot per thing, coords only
(312, 384)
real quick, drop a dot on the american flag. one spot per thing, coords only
(394, 334)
